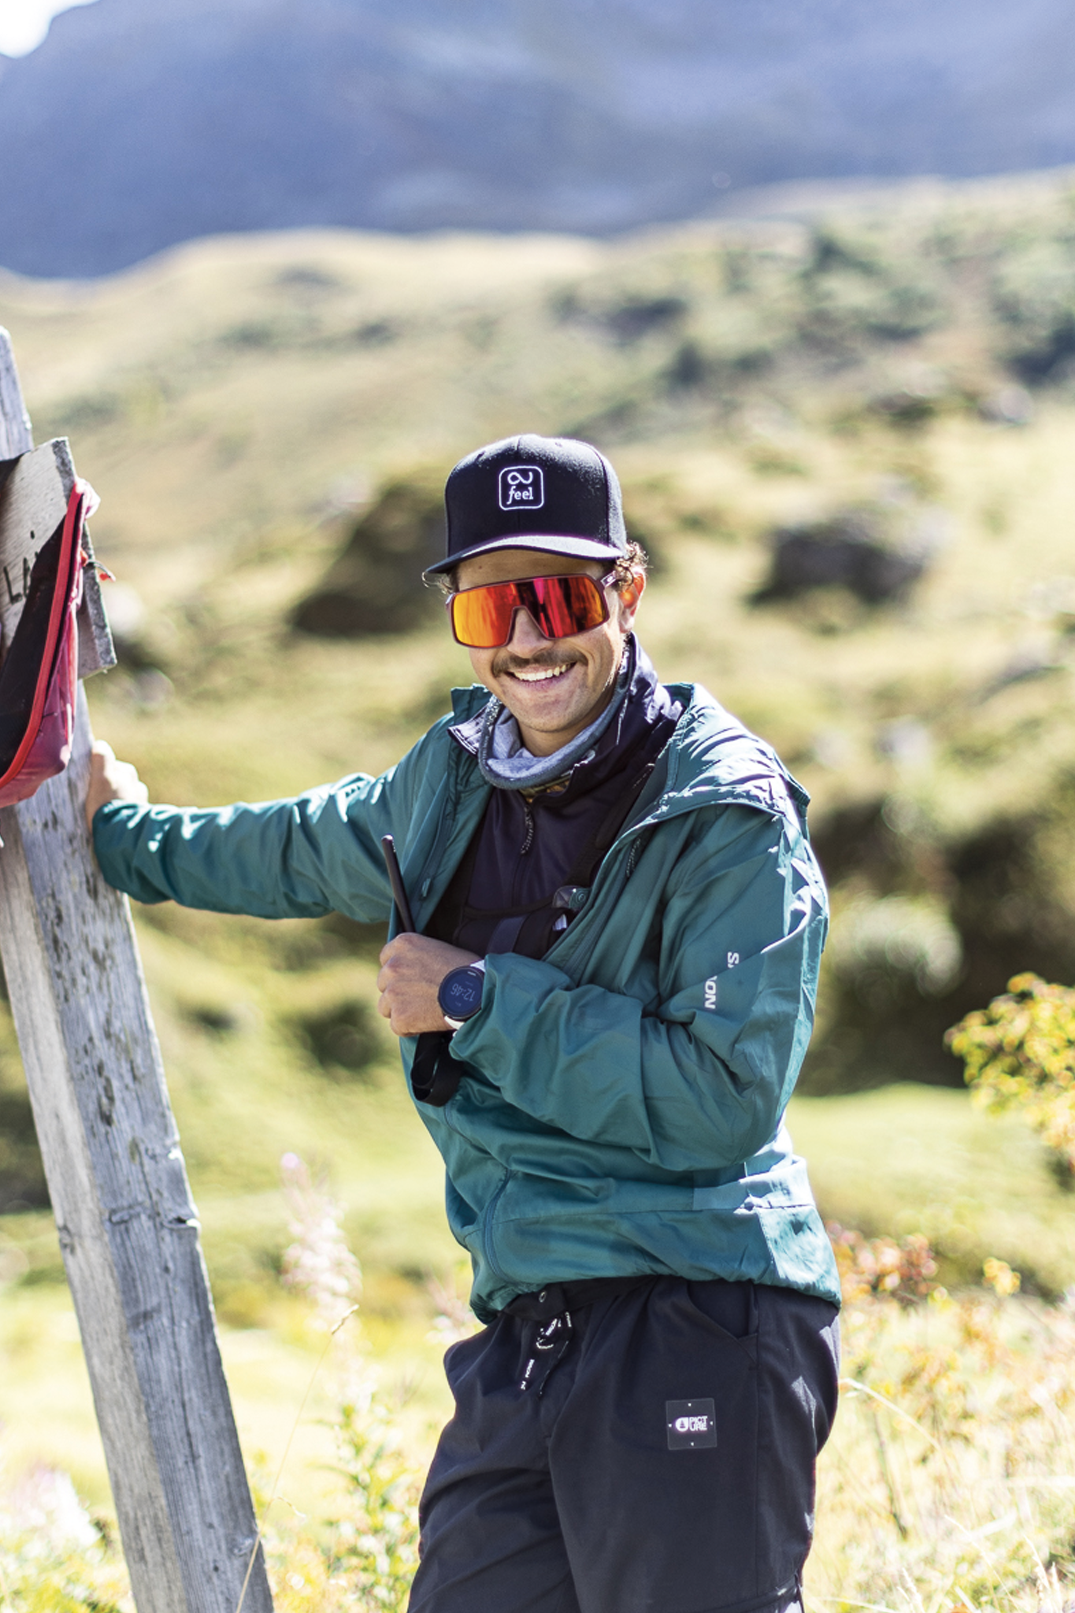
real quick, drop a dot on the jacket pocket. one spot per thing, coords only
(488, 1229)
(463, 1218)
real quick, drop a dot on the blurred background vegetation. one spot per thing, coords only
(846, 443)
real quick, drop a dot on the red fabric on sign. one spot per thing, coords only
(39, 677)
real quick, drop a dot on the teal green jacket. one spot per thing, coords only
(623, 1108)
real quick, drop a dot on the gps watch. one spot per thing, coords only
(459, 995)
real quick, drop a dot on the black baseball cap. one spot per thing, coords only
(554, 494)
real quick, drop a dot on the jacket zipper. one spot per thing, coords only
(634, 854)
(528, 837)
(448, 820)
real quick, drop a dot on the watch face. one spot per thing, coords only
(460, 993)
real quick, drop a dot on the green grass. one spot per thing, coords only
(949, 1481)
(921, 1159)
(900, 1160)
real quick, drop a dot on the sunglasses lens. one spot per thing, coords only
(560, 606)
(566, 605)
(481, 617)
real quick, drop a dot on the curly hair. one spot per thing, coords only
(634, 561)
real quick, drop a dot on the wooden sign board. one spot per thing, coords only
(34, 490)
(127, 1224)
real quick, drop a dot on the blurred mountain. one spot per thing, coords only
(135, 126)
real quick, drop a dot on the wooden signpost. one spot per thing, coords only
(127, 1225)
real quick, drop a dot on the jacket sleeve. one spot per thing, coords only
(300, 858)
(699, 1078)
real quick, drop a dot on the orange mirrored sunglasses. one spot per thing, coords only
(483, 618)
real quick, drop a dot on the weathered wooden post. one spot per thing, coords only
(127, 1224)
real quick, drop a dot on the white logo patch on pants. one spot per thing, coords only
(692, 1424)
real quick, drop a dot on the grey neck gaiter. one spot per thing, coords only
(507, 765)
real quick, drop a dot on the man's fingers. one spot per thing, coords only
(412, 968)
(111, 780)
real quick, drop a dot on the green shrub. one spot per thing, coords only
(1033, 295)
(862, 282)
(1019, 1053)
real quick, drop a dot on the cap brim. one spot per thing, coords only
(577, 548)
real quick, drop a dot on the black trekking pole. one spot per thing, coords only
(395, 879)
(435, 1074)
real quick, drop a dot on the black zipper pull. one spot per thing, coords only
(528, 839)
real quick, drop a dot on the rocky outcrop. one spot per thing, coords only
(876, 551)
(374, 584)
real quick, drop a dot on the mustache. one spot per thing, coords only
(532, 663)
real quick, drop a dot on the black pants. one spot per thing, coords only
(659, 1460)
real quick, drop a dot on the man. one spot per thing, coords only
(620, 924)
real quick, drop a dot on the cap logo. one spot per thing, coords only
(522, 487)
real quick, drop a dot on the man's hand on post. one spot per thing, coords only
(412, 968)
(111, 780)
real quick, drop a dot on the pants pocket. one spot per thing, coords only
(731, 1309)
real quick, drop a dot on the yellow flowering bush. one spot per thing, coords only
(1019, 1053)
(902, 1269)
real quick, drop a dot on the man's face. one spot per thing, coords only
(553, 687)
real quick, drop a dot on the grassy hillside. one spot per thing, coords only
(237, 400)
(240, 403)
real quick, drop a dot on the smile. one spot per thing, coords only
(542, 674)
